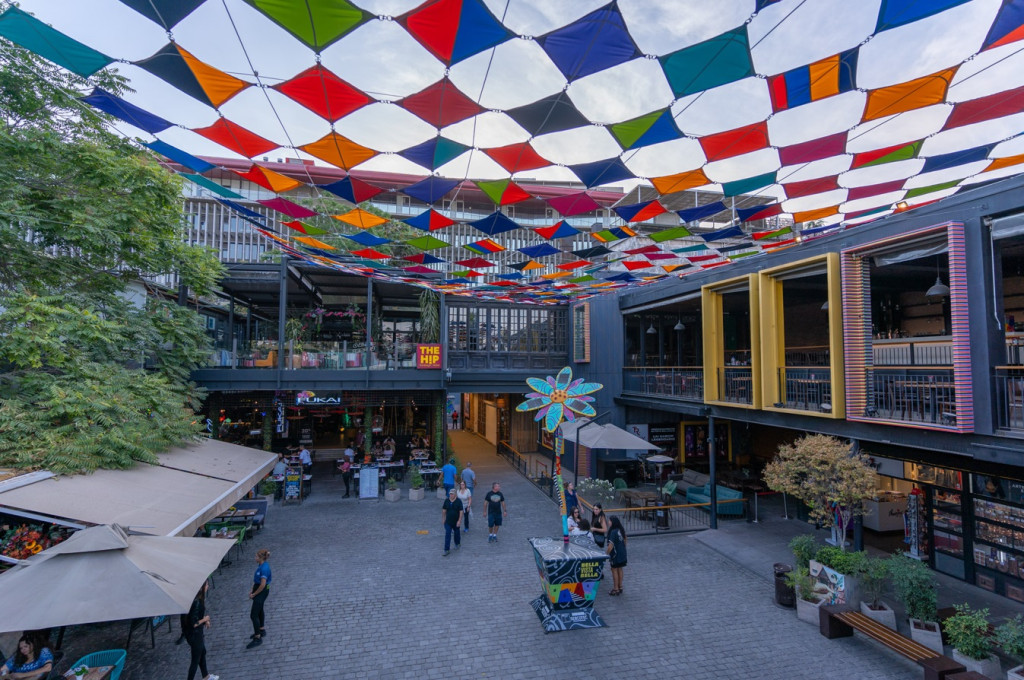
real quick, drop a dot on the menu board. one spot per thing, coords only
(368, 484)
(293, 484)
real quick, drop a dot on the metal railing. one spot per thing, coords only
(807, 356)
(659, 519)
(913, 353)
(913, 395)
(674, 382)
(806, 388)
(537, 471)
(735, 384)
(1009, 383)
(333, 356)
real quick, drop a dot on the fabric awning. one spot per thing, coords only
(189, 486)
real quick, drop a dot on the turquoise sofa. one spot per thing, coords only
(702, 494)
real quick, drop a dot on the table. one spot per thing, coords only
(631, 495)
(94, 673)
(247, 513)
(430, 472)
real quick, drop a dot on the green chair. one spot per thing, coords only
(619, 484)
(668, 490)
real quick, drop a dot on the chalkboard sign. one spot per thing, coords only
(293, 485)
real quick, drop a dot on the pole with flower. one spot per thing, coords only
(557, 399)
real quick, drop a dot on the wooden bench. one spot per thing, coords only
(840, 621)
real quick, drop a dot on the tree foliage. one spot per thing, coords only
(823, 473)
(93, 371)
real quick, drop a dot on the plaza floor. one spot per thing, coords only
(361, 590)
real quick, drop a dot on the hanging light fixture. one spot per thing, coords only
(652, 330)
(679, 325)
(939, 289)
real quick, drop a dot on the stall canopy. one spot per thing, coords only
(103, 574)
(188, 486)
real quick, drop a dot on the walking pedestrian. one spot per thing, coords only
(466, 496)
(496, 509)
(448, 476)
(346, 475)
(469, 477)
(616, 549)
(194, 625)
(598, 525)
(455, 420)
(260, 591)
(451, 514)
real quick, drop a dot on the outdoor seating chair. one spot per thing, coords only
(619, 484)
(110, 657)
(668, 490)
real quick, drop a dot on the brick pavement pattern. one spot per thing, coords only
(358, 593)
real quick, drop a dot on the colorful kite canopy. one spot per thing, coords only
(792, 117)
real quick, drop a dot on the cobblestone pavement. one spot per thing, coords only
(359, 592)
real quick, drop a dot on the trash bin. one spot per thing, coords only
(661, 516)
(784, 594)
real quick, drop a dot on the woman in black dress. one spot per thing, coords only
(616, 549)
(198, 621)
(599, 525)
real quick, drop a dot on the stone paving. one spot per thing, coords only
(359, 592)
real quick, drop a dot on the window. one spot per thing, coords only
(581, 333)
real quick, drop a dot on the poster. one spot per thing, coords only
(547, 439)
(695, 441)
(368, 481)
(293, 485)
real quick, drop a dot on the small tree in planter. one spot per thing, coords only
(873, 576)
(822, 472)
(415, 484)
(808, 598)
(1010, 638)
(391, 490)
(967, 631)
(914, 586)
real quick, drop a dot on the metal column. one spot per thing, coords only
(711, 471)
(282, 312)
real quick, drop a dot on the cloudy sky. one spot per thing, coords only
(383, 60)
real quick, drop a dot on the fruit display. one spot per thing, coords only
(23, 541)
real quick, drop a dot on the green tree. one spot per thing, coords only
(94, 363)
(823, 473)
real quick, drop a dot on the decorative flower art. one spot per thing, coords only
(559, 398)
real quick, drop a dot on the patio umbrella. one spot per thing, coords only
(605, 436)
(103, 574)
(659, 459)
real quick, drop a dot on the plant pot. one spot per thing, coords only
(989, 667)
(1015, 673)
(416, 494)
(926, 633)
(808, 611)
(884, 614)
(392, 495)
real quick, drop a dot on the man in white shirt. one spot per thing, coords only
(350, 454)
(306, 459)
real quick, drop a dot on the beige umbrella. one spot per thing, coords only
(103, 574)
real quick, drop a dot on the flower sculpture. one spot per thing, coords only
(557, 399)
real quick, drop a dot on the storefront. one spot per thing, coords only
(968, 525)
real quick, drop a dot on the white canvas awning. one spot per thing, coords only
(606, 436)
(189, 486)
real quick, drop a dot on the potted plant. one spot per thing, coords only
(968, 633)
(840, 572)
(872, 582)
(415, 484)
(391, 491)
(267, 487)
(804, 548)
(808, 598)
(1010, 638)
(914, 586)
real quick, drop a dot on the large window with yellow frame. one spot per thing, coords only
(732, 342)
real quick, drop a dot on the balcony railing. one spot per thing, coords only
(333, 356)
(914, 395)
(1010, 397)
(735, 384)
(806, 388)
(807, 356)
(674, 382)
(911, 352)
